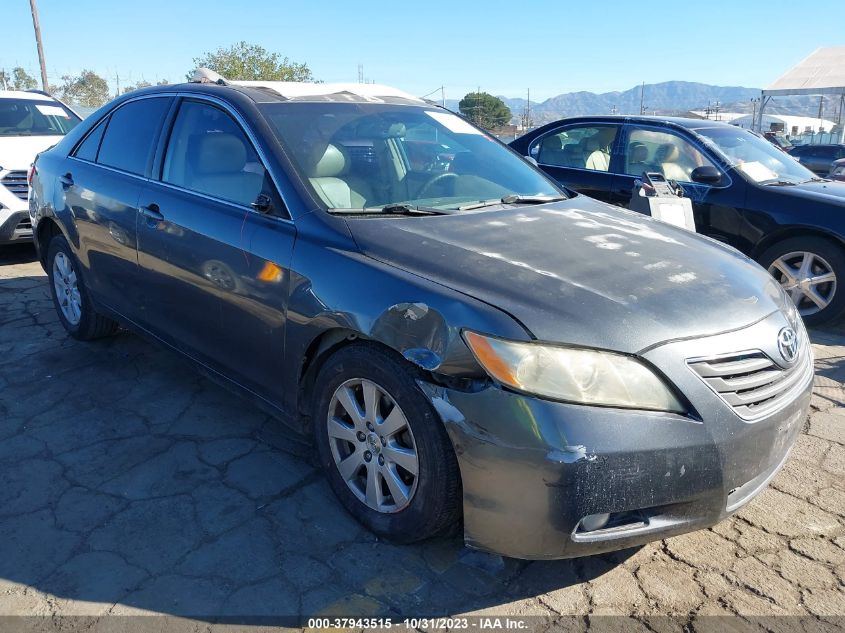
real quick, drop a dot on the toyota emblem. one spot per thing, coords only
(788, 344)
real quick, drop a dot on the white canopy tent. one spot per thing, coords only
(820, 74)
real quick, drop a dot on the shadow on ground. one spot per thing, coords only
(129, 482)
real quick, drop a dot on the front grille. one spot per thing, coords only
(15, 181)
(751, 382)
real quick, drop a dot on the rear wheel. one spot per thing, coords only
(70, 297)
(385, 452)
(812, 271)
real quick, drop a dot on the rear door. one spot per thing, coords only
(582, 157)
(102, 181)
(216, 269)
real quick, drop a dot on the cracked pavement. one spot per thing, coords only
(129, 484)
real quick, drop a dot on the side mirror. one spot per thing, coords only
(706, 175)
(262, 203)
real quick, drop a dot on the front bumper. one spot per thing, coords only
(15, 226)
(533, 469)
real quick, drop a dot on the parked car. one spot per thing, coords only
(837, 170)
(818, 158)
(467, 346)
(743, 191)
(29, 122)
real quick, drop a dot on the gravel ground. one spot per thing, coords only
(129, 485)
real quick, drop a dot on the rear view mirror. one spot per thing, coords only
(706, 174)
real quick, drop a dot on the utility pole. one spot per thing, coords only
(360, 73)
(41, 61)
(642, 97)
(443, 96)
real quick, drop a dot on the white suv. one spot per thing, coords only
(30, 122)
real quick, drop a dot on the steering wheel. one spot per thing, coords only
(435, 180)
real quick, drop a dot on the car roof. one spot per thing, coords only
(283, 91)
(25, 94)
(668, 121)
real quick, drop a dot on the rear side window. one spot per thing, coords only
(131, 134)
(87, 150)
(210, 154)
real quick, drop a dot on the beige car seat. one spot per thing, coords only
(337, 192)
(667, 156)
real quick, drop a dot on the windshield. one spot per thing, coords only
(24, 117)
(755, 157)
(379, 156)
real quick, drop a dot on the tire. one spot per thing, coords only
(434, 494)
(70, 297)
(784, 261)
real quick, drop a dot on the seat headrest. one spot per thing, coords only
(668, 153)
(331, 164)
(637, 152)
(592, 144)
(218, 153)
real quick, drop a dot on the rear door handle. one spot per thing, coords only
(152, 212)
(66, 180)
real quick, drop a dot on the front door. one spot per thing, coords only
(216, 268)
(717, 209)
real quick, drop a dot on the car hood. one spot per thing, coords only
(18, 152)
(580, 271)
(817, 191)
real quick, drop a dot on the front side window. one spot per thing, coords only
(210, 154)
(754, 157)
(25, 117)
(131, 135)
(363, 156)
(665, 153)
(583, 147)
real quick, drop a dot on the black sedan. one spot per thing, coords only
(744, 192)
(469, 346)
(818, 158)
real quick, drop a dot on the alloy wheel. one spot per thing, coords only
(372, 445)
(66, 287)
(808, 278)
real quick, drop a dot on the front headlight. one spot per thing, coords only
(571, 374)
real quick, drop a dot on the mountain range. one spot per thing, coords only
(669, 97)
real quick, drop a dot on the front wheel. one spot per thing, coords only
(384, 450)
(811, 270)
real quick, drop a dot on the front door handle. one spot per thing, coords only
(66, 180)
(151, 211)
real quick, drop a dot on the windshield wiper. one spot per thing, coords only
(512, 199)
(778, 183)
(392, 209)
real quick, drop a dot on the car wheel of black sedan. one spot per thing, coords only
(70, 296)
(811, 270)
(384, 450)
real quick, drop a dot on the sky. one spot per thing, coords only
(504, 48)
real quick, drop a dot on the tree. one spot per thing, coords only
(86, 89)
(21, 80)
(137, 86)
(244, 61)
(18, 80)
(485, 110)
